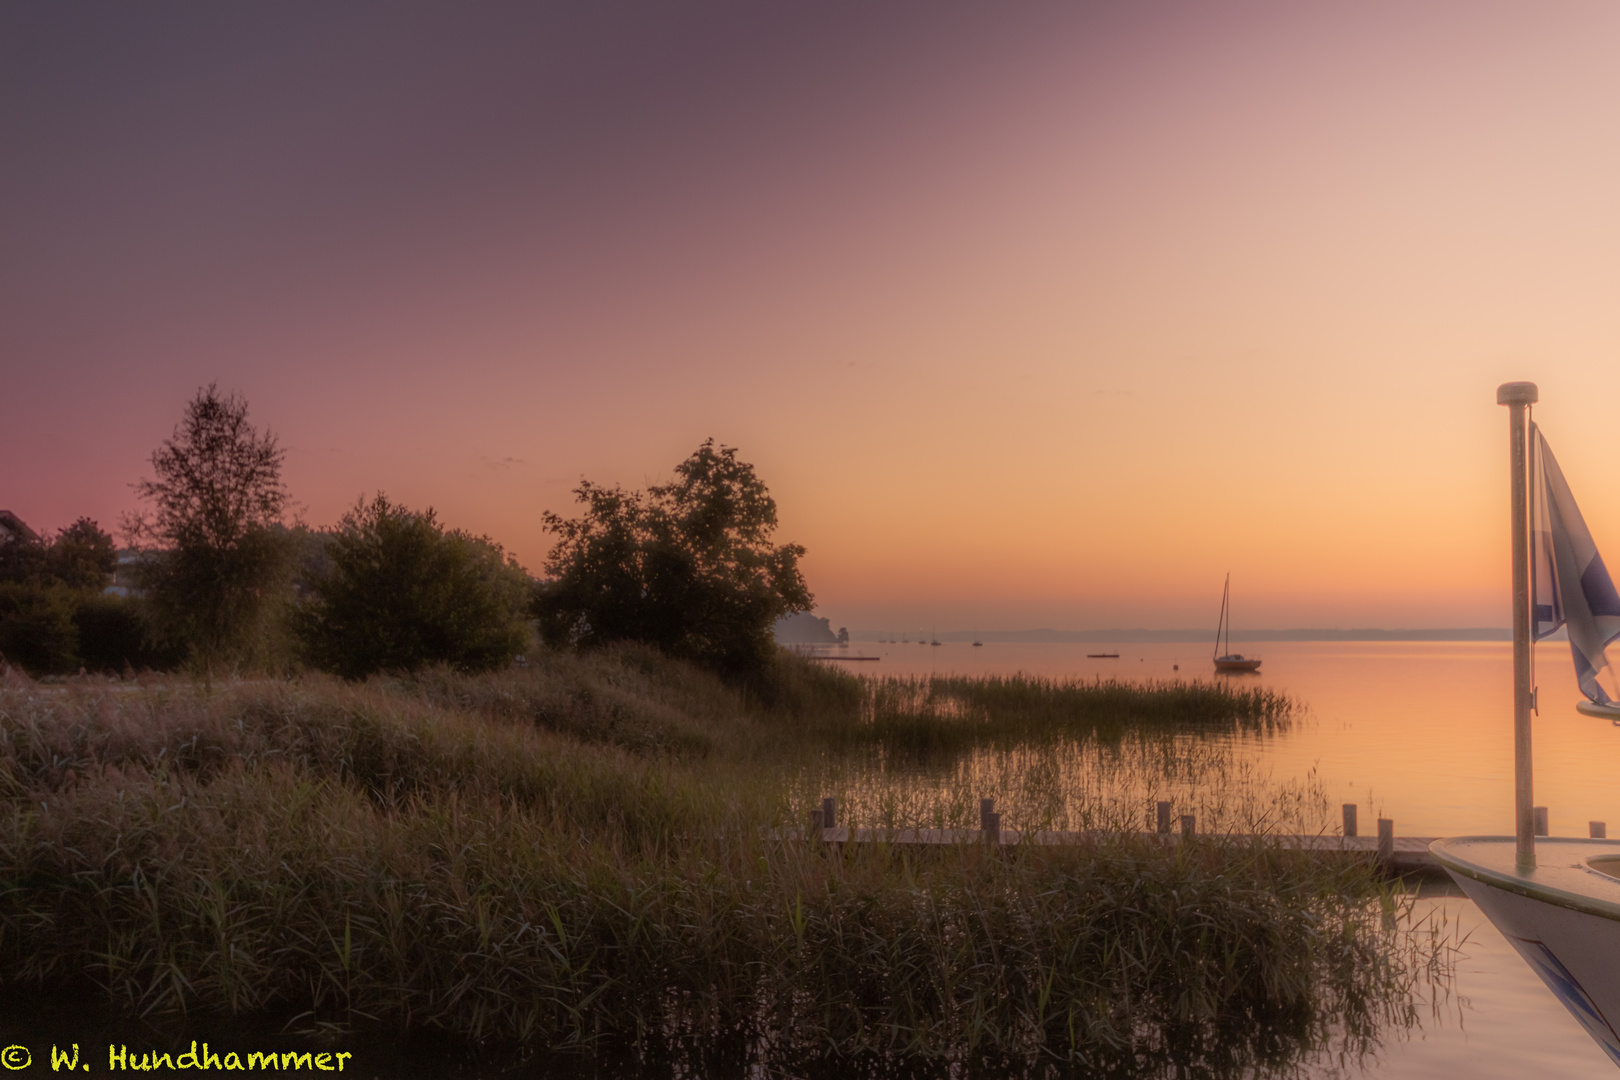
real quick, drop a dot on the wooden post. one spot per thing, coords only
(1164, 817)
(1600, 831)
(1189, 827)
(1386, 840)
(817, 818)
(987, 809)
(992, 828)
(829, 812)
(1541, 821)
(1349, 819)
(1517, 396)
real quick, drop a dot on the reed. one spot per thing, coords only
(573, 856)
(949, 713)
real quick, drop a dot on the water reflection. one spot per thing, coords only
(1421, 732)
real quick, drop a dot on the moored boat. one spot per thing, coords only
(1231, 662)
(1557, 901)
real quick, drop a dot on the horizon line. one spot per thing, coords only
(1189, 635)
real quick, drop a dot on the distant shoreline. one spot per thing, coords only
(1487, 633)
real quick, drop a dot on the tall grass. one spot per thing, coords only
(950, 713)
(572, 856)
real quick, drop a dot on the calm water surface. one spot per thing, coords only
(1421, 732)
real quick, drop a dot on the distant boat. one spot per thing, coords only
(1102, 656)
(1230, 662)
(978, 644)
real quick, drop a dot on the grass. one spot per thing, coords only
(572, 856)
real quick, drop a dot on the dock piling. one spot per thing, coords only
(1189, 827)
(1349, 819)
(1541, 821)
(1600, 831)
(992, 827)
(1164, 818)
(829, 812)
(1386, 840)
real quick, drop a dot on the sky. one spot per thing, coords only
(1028, 314)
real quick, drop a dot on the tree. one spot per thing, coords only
(688, 566)
(82, 556)
(400, 593)
(215, 567)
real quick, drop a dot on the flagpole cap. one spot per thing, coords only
(1517, 393)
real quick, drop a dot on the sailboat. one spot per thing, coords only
(1556, 901)
(1231, 661)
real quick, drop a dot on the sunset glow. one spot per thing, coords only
(1046, 316)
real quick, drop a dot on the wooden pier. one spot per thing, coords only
(1399, 854)
(1405, 854)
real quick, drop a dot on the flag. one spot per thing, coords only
(1568, 581)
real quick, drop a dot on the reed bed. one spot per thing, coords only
(573, 856)
(932, 714)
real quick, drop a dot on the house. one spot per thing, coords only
(14, 531)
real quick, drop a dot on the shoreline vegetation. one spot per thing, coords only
(577, 857)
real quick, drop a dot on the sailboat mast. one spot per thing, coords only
(1517, 396)
(1223, 622)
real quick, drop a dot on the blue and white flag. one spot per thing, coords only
(1569, 583)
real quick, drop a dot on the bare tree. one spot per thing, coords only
(215, 564)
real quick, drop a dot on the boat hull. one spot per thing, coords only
(1236, 663)
(1563, 917)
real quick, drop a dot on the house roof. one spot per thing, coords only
(12, 528)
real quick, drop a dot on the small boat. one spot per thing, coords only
(1102, 656)
(1231, 662)
(978, 644)
(1556, 901)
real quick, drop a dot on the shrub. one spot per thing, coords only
(36, 628)
(401, 593)
(113, 635)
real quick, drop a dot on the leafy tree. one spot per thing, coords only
(216, 566)
(400, 593)
(688, 566)
(82, 556)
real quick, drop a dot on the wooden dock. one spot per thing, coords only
(1406, 854)
(1400, 854)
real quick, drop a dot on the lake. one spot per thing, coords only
(1419, 732)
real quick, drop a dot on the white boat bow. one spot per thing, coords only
(1562, 916)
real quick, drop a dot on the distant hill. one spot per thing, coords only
(1467, 633)
(803, 629)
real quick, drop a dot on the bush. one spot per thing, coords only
(36, 629)
(401, 594)
(114, 635)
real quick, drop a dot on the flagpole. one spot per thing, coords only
(1517, 396)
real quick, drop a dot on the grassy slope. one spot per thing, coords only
(573, 853)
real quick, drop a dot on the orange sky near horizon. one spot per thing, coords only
(1045, 316)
